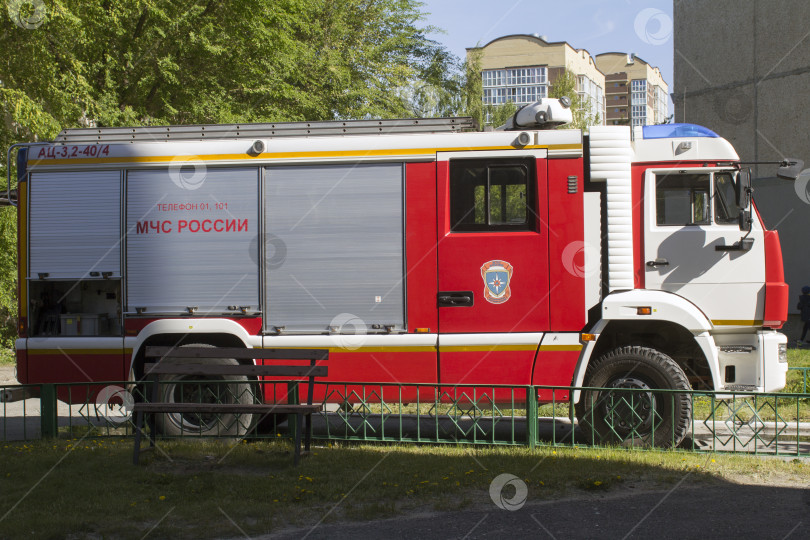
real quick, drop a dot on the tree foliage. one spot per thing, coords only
(154, 62)
(566, 85)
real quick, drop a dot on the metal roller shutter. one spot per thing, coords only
(334, 248)
(75, 224)
(192, 242)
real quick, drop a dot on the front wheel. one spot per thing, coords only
(623, 406)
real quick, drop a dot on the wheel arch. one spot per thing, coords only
(675, 327)
(167, 333)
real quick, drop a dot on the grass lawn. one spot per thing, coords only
(198, 489)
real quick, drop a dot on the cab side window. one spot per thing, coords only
(492, 195)
(682, 199)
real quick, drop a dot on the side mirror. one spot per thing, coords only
(744, 188)
(744, 199)
(790, 169)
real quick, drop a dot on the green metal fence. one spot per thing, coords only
(465, 414)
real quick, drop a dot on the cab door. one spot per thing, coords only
(693, 245)
(492, 265)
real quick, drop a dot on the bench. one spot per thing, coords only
(195, 367)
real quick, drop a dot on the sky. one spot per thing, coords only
(643, 27)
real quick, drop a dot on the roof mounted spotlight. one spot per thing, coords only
(546, 113)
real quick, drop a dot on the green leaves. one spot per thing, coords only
(135, 62)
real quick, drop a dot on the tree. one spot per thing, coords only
(472, 91)
(154, 62)
(566, 85)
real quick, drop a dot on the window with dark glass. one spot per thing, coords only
(726, 210)
(682, 199)
(492, 195)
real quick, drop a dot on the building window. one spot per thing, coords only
(638, 101)
(592, 96)
(661, 106)
(492, 195)
(518, 85)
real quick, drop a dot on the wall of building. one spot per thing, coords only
(514, 51)
(742, 69)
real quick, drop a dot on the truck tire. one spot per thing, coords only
(212, 390)
(641, 418)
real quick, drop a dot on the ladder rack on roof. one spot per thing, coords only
(263, 131)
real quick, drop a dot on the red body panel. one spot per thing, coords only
(461, 258)
(75, 367)
(420, 247)
(252, 325)
(637, 193)
(554, 368)
(776, 290)
(462, 254)
(566, 228)
(486, 367)
(22, 366)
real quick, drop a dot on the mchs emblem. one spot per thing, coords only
(496, 275)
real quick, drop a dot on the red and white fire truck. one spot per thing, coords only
(416, 251)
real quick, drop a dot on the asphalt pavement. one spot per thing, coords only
(726, 511)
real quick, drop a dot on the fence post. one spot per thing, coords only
(292, 398)
(531, 417)
(47, 411)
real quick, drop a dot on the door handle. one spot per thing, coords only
(657, 262)
(745, 244)
(455, 298)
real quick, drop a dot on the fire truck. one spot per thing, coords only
(416, 251)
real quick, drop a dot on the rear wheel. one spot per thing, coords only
(212, 389)
(628, 411)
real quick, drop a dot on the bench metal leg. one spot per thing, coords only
(298, 439)
(308, 432)
(138, 432)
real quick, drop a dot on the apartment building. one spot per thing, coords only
(635, 92)
(522, 68)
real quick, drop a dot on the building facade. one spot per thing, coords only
(635, 93)
(747, 79)
(523, 68)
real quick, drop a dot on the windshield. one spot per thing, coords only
(696, 198)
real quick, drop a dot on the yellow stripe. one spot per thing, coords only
(287, 155)
(455, 348)
(733, 322)
(487, 348)
(561, 348)
(35, 352)
(363, 349)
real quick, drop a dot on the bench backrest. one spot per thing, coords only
(202, 368)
